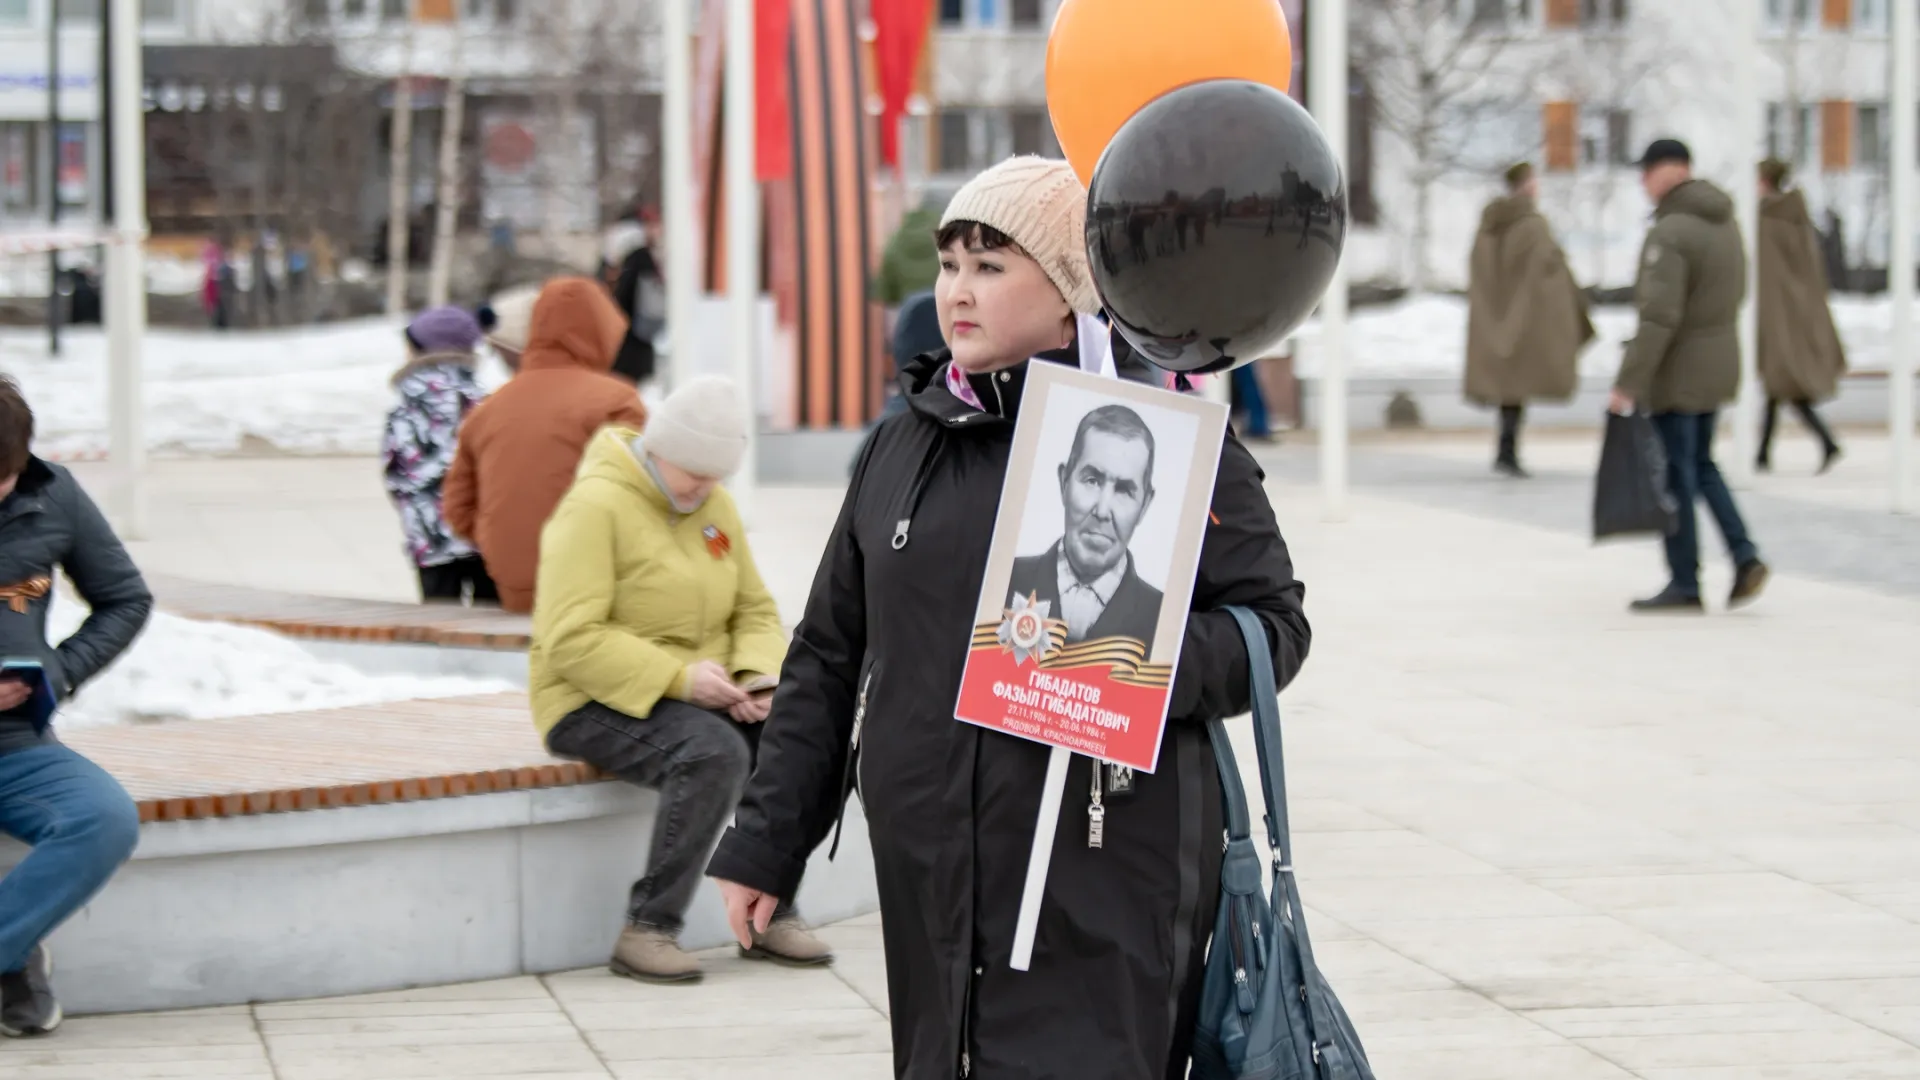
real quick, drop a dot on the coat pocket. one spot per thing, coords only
(850, 777)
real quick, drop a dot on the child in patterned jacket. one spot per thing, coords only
(437, 389)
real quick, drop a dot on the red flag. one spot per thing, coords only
(773, 128)
(900, 29)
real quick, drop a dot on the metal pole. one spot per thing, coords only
(676, 194)
(125, 287)
(53, 173)
(400, 181)
(447, 198)
(1747, 121)
(1327, 92)
(743, 234)
(1900, 367)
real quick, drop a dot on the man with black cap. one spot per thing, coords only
(1684, 362)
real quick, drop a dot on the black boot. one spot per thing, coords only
(1670, 601)
(1829, 448)
(1508, 460)
(1748, 579)
(1764, 462)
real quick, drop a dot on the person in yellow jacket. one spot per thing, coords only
(651, 627)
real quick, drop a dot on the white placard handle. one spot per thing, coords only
(1042, 854)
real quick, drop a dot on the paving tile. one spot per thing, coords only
(1843, 994)
(431, 1023)
(837, 1067)
(1902, 1068)
(53, 1055)
(724, 980)
(1837, 1050)
(353, 1010)
(1494, 1063)
(572, 1059)
(1715, 1019)
(761, 1038)
(179, 1030)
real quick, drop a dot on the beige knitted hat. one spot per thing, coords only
(701, 427)
(514, 311)
(1039, 203)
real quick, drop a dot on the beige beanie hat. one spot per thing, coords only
(513, 317)
(1039, 203)
(701, 427)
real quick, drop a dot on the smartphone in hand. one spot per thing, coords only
(30, 671)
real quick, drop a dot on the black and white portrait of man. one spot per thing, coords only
(1088, 577)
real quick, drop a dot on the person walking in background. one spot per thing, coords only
(519, 448)
(651, 624)
(437, 390)
(1801, 358)
(642, 298)
(79, 822)
(1526, 317)
(1683, 363)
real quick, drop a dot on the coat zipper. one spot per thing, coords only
(850, 777)
(966, 1027)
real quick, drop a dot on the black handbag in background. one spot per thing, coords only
(1630, 493)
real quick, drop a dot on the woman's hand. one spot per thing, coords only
(747, 910)
(751, 711)
(710, 687)
(15, 693)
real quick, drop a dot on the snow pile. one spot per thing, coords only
(1425, 337)
(183, 669)
(25, 276)
(314, 390)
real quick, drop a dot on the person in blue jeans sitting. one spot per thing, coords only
(79, 822)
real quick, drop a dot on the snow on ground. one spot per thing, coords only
(314, 390)
(183, 669)
(324, 389)
(1425, 337)
(26, 275)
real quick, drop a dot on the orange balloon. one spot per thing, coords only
(1107, 58)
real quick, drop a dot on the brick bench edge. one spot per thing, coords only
(374, 793)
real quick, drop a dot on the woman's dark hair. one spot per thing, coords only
(16, 428)
(971, 233)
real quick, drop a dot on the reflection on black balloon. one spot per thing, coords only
(1214, 222)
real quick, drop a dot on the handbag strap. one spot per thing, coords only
(1273, 782)
(1239, 824)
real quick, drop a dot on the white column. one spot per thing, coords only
(126, 285)
(1746, 128)
(676, 184)
(743, 235)
(1900, 367)
(1327, 90)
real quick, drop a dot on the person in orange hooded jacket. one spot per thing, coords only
(519, 448)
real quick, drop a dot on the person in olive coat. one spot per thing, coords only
(1801, 358)
(1683, 363)
(1526, 317)
(868, 687)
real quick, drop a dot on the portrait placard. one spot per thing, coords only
(1090, 575)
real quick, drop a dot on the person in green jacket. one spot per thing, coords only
(1683, 364)
(911, 261)
(652, 632)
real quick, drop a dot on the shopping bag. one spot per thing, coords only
(1630, 493)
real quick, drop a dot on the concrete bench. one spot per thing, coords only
(375, 848)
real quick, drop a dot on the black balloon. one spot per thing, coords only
(1214, 222)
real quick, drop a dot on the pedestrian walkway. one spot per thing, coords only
(1540, 839)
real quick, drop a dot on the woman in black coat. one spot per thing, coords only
(867, 695)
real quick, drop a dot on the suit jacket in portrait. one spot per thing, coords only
(1133, 612)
